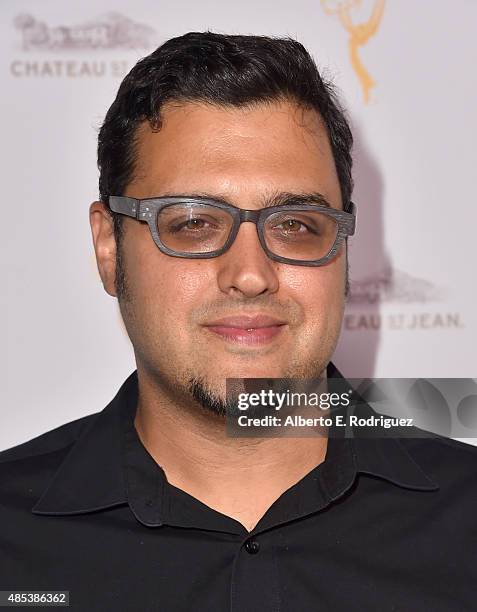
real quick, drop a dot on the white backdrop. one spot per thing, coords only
(412, 310)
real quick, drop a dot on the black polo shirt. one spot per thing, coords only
(382, 524)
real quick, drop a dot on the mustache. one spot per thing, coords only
(289, 311)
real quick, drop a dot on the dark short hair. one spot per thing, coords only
(226, 70)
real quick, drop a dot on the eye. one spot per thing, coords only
(294, 226)
(190, 224)
(194, 224)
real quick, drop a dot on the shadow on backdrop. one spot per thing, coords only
(356, 352)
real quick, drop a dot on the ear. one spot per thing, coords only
(102, 230)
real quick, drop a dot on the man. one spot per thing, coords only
(150, 504)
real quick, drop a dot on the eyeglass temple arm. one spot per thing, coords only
(125, 205)
(352, 211)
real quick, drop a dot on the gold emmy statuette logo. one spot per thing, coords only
(359, 34)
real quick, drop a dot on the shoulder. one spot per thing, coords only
(48, 442)
(27, 467)
(447, 461)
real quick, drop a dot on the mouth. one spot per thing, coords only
(251, 331)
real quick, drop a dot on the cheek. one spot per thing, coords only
(149, 272)
(320, 293)
(171, 286)
(317, 288)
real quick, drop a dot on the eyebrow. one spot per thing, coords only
(283, 198)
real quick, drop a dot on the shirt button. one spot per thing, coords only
(252, 546)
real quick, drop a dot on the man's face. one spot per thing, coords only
(245, 156)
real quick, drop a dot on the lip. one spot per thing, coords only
(247, 322)
(248, 330)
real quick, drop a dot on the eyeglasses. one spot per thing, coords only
(201, 228)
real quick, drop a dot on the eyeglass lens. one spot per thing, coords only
(201, 228)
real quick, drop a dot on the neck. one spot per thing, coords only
(239, 477)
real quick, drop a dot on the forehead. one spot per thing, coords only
(234, 150)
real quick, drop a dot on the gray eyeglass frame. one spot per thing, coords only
(147, 209)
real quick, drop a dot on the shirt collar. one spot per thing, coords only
(108, 466)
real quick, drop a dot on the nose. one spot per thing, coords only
(245, 268)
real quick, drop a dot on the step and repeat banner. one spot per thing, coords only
(406, 73)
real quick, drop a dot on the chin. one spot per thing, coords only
(254, 371)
